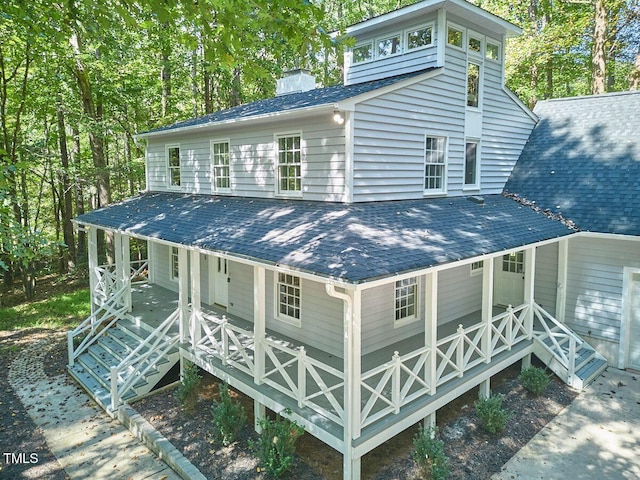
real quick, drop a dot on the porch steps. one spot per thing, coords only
(92, 369)
(588, 362)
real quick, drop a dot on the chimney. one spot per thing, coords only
(295, 81)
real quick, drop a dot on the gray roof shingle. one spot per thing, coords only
(354, 242)
(583, 161)
(290, 102)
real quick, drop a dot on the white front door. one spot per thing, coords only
(509, 279)
(220, 281)
(634, 322)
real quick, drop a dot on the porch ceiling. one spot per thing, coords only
(353, 242)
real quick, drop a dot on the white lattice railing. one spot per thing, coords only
(509, 328)
(107, 279)
(231, 344)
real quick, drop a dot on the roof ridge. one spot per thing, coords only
(591, 97)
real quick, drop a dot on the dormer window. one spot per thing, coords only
(362, 53)
(455, 36)
(389, 46)
(475, 45)
(419, 37)
(492, 51)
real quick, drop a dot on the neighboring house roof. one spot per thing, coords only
(353, 242)
(287, 103)
(583, 161)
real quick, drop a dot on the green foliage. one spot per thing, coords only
(189, 385)
(228, 417)
(60, 311)
(534, 379)
(275, 447)
(491, 413)
(428, 452)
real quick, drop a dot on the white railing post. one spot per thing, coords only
(572, 358)
(115, 401)
(395, 382)
(93, 265)
(259, 323)
(126, 271)
(509, 327)
(529, 286)
(302, 376)
(70, 348)
(460, 350)
(431, 330)
(225, 339)
(196, 309)
(487, 307)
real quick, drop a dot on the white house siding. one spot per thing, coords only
(546, 277)
(160, 266)
(253, 159)
(240, 290)
(459, 293)
(594, 287)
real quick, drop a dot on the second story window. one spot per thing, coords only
(473, 85)
(419, 37)
(173, 160)
(492, 51)
(289, 168)
(388, 46)
(471, 164)
(220, 162)
(362, 53)
(435, 164)
(455, 36)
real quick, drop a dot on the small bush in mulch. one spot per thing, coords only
(228, 417)
(493, 417)
(275, 447)
(534, 380)
(188, 388)
(428, 453)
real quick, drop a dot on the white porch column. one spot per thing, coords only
(529, 286)
(125, 269)
(196, 308)
(259, 329)
(563, 263)
(92, 252)
(183, 292)
(487, 305)
(431, 329)
(352, 380)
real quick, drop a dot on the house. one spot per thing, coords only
(347, 252)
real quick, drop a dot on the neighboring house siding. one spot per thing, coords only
(545, 292)
(594, 284)
(252, 160)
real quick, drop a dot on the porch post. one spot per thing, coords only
(125, 260)
(183, 293)
(196, 309)
(561, 295)
(487, 306)
(117, 258)
(352, 380)
(259, 328)
(431, 329)
(93, 265)
(529, 286)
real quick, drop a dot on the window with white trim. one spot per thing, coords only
(513, 262)
(175, 264)
(288, 298)
(471, 164)
(473, 85)
(419, 37)
(389, 46)
(362, 53)
(492, 51)
(477, 267)
(455, 36)
(289, 159)
(435, 158)
(474, 45)
(406, 296)
(173, 165)
(220, 165)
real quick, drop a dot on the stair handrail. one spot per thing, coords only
(567, 331)
(158, 342)
(92, 322)
(574, 340)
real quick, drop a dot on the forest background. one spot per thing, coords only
(78, 78)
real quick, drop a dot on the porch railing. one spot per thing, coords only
(107, 280)
(140, 360)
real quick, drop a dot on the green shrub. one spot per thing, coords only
(534, 379)
(428, 452)
(228, 417)
(491, 413)
(188, 388)
(275, 447)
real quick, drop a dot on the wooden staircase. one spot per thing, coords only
(125, 362)
(564, 352)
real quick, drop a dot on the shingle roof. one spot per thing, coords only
(290, 102)
(583, 160)
(354, 242)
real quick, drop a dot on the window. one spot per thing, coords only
(455, 36)
(475, 45)
(477, 267)
(473, 85)
(220, 162)
(289, 164)
(471, 164)
(173, 158)
(288, 301)
(175, 265)
(435, 164)
(492, 51)
(513, 262)
(362, 53)
(419, 37)
(406, 299)
(389, 46)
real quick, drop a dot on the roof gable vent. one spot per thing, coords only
(295, 81)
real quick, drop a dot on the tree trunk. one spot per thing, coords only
(598, 60)
(634, 84)
(67, 200)
(165, 77)
(79, 192)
